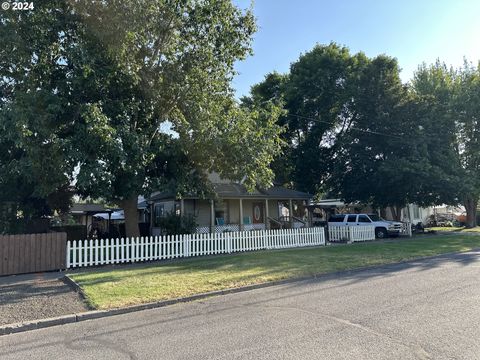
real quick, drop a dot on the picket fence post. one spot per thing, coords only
(67, 260)
(89, 252)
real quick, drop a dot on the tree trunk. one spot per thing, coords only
(471, 207)
(396, 212)
(383, 213)
(130, 211)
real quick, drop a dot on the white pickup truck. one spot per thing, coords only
(383, 228)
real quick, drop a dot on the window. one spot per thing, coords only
(220, 214)
(375, 217)
(352, 218)
(363, 219)
(158, 212)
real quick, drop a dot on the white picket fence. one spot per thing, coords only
(338, 233)
(406, 229)
(126, 250)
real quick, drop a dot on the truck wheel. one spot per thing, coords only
(381, 233)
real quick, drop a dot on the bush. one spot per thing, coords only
(74, 232)
(173, 224)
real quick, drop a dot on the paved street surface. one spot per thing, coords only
(36, 296)
(428, 309)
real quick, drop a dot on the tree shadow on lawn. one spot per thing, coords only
(281, 268)
(183, 266)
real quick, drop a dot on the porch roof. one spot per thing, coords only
(83, 209)
(239, 191)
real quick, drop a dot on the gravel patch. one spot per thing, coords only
(36, 296)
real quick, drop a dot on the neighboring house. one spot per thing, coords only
(416, 214)
(83, 213)
(411, 213)
(233, 208)
(102, 221)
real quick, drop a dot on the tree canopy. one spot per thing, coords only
(35, 93)
(117, 99)
(356, 132)
(455, 113)
(142, 96)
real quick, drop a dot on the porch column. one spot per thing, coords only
(241, 215)
(309, 216)
(290, 212)
(182, 207)
(152, 209)
(212, 217)
(108, 223)
(267, 222)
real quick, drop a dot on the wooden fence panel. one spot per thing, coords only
(26, 253)
(11, 253)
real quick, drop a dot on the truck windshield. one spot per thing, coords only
(375, 217)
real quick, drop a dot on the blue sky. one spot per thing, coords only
(411, 31)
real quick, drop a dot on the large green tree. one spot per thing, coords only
(354, 131)
(148, 66)
(34, 111)
(389, 158)
(371, 163)
(454, 131)
(466, 105)
(316, 95)
(137, 97)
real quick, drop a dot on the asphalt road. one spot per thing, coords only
(428, 309)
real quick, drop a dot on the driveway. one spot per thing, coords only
(36, 296)
(427, 309)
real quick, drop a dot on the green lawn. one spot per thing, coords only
(453, 228)
(127, 285)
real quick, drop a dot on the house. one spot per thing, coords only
(233, 208)
(83, 213)
(101, 221)
(412, 213)
(415, 214)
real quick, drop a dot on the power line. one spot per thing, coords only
(351, 128)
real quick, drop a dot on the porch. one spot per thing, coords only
(233, 208)
(231, 215)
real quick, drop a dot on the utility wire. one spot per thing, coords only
(351, 128)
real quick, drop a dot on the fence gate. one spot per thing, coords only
(27, 253)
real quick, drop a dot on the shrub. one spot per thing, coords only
(173, 224)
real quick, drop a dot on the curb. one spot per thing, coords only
(97, 314)
(70, 282)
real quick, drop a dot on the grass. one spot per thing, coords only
(454, 228)
(127, 285)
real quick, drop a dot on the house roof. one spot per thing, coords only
(239, 191)
(329, 203)
(164, 195)
(88, 208)
(281, 192)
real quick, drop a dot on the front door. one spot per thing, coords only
(258, 213)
